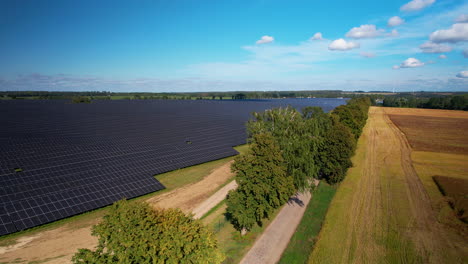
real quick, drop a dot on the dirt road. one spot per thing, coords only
(57, 246)
(213, 200)
(274, 240)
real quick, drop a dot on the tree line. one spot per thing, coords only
(288, 150)
(449, 102)
(236, 95)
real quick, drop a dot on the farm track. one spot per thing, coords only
(428, 234)
(271, 244)
(58, 245)
(382, 213)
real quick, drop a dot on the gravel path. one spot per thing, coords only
(213, 200)
(274, 240)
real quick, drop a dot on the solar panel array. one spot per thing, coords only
(59, 159)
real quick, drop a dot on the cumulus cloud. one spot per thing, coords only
(341, 44)
(416, 5)
(442, 56)
(462, 74)
(456, 33)
(395, 21)
(364, 31)
(430, 47)
(393, 33)
(395, 67)
(411, 63)
(265, 39)
(367, 54)
(465, 53)
(463, 18)
(317, 36)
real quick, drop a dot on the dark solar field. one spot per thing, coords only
(59, 159)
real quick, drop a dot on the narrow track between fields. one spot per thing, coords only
(274, 240)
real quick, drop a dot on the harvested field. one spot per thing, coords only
(432, 133)
(430, 164)
(456, 192)
(381, 212)
(440, 147)
(426, 112)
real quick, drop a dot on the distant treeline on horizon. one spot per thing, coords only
(434, 100)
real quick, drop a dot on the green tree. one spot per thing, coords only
(263, 184)
(294, 136)
(133, 232)
(335, 153)
(354, 114)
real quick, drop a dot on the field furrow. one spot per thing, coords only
(381, 212)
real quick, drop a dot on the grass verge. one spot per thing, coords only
(231, 243)
(181, 177)
(303, 240)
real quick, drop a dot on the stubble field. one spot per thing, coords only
(383, 211)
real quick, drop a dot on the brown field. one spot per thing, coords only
(440, 147)
(434, 133)
(383, 212)
(456, 192)
(426, 112)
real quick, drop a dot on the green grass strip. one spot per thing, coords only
(302, 242)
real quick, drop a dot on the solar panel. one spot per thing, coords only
(59, 159)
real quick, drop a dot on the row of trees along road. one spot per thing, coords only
(288, 150)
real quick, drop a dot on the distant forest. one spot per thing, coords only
(443, 100)
(432, 101)
(93, 95)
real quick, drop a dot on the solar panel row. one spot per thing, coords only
(59, 159)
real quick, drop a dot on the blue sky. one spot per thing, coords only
(176, 46)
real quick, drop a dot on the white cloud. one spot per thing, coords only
(265, 39)
(411, 63)
(465, 53)
(367, 54)
(395, 21)
(395, 67)
(341, 44)
(364, 31)
(416, 5)
(393, 33)
(430, 47)
(457, 32)
(317, 36)
(463, 18)
(442, 56)
(462, 74)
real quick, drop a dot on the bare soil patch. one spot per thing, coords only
(456, 192)
(190, 196)
(426, 112)
(433, 133)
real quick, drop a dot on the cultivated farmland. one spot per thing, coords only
(382, 212)
(440, 150)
